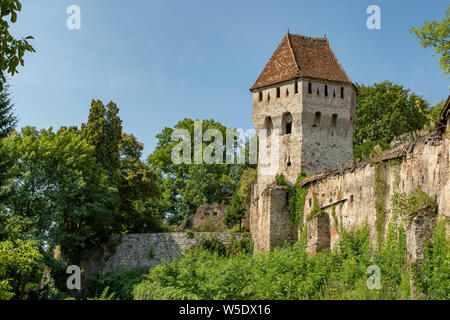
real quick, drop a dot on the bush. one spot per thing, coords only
(212, 245)
(290, 273)
(119, 283)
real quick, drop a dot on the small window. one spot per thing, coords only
(287, 92)
(326, 90)
(260, 98)
(342, 92)
(318, 93)
(287, 123)
(351, 198)
(310, 202)
(317, 120)
(334, 93)
(268, 96)
(296, 87)
(268, 125)
(278, 92)
(334, 121)
(309, 87)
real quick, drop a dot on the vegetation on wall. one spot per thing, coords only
(380, 201)
(288, 273)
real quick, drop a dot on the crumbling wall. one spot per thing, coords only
(349, 197)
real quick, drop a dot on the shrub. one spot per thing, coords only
(150, 253)
(212, 245)
(120, 283)
(190, 234)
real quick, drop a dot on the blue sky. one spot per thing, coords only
(162, 61)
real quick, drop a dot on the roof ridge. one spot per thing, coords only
(293, 53)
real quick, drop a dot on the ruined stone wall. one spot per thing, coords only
(348, 198)
(134, 250)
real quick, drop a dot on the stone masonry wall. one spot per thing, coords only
(133, 251)
(352, 192)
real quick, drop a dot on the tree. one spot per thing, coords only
(385, 111)
(21, 266)
(187, 186)
(12, 50)
(104, 131)
(55, 192)
(7, 118)
(437, 35)
(139, 204)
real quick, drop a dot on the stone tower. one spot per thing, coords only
(306, 102)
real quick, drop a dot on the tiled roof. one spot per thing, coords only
(300, 56)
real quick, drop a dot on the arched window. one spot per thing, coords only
(342, 92)
(260, 96)
(309, 87)
(317, 120)
(326, 90)
(333, 124)
(287, 123)
(268, 125)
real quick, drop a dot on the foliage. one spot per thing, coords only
(315, 210)
(385, 111)
(207, 225)
(287, 273)
(405, 205)
(380, 202)
(435, 111)
(437, 35)
(234, 212)
(187, 186)
(436, 271)
(211, 244)
(120, 283)
(54, 191)
(150, 253)
(138, 207)
(20, 268)
(297, 196)
(7, 119)
(12, 50)
(190, 234)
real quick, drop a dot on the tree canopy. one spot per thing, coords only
(12, 50)
(384, 111)
(436, 34)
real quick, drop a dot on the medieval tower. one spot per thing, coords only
(306, 102)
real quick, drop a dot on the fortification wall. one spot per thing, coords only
(349, 198)
(134, 251)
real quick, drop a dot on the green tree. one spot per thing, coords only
(55, 191)
(240, 202)
(385, 111)
(140, 207)
(21, 266)
(104, 131)
(7, 118)
(437, 35)
(187, 186)
(12, 50)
